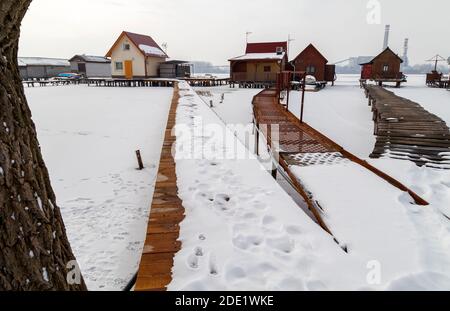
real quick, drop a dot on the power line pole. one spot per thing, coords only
(289, 44)
(247, 34)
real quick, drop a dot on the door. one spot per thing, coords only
(82, 68)
(129, 69)
(367, 72)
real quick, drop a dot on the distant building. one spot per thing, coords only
(311, 61)
(42, 68)
(384, 67)
(91, 66)
(261, 62)
(175, 69)
(135, 56)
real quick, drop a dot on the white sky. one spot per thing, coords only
(213, 30)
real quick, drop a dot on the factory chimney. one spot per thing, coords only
(386, 37)
(405, 53)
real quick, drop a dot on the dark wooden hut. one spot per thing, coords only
(311, 61)
(385, 67)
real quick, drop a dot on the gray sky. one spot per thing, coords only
(213, 30)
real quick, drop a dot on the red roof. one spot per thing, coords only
(138, 40)
(265, 47)
(314, 50)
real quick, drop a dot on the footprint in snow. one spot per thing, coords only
(283, 244)
(213, 267)
(245, 242)
(193, 262)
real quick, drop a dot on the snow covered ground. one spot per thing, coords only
(375, 222)
(242, 230)
(88, 137)
(340, 112)
(256, 237)
(435, 100)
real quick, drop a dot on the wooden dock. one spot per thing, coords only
(405, 130)
(114, 82)
(161, 245)
(299, 144)
(206, 81)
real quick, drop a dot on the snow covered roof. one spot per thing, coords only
(260, 56)
(144, 43)
(151, 50)
(91, 58)
(42, 61)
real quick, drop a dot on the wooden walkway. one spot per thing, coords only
(116, 82)
(405, 130)
(295, 143)
(161, 245)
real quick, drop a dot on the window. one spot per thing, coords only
(385, 68)
(126, 47)
(119, 65)
(310, 69)
(267, 69)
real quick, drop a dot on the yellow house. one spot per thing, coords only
(135, 56)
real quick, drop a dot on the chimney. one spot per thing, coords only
(405, 53)
(386, 37)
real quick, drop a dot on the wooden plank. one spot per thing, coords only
(161, 244)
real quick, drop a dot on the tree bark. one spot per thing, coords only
(35, 253)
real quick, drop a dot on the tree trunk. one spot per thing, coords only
(35, 253)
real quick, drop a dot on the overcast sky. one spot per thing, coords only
(213, 30)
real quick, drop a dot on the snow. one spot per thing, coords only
(45, 274)
(257, 238)
(88, 138)
(341, 112)
(95, 59)
(42, 61)
(258, 56)
(435, 100)
(151, 50)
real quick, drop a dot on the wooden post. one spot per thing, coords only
(288, 91)
(274, 171)
(139, 159)
(303, 99)
(257, 140)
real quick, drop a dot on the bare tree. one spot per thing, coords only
(35, 253)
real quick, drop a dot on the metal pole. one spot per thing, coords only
(303, 98)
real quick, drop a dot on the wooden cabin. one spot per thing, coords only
(135, 56)
(260, 64)
(385, 67)
(311, 61)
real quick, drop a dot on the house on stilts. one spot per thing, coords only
(260, 64)
(383, 68)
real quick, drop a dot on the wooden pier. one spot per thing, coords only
(405, 130)
(207, 81)
(161, 245)
(112, 82)
(292, 142)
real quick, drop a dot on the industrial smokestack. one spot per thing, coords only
(405, 53)
(386, 37)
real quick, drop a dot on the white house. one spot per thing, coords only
(135, 56)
